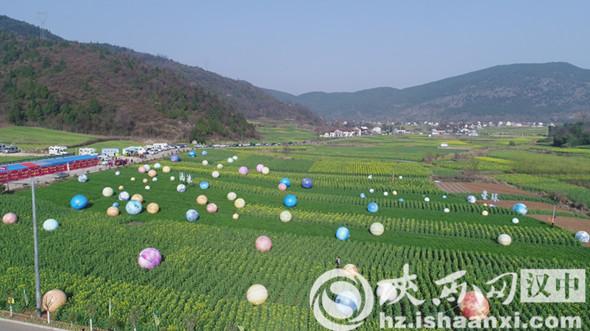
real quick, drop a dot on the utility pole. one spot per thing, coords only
(36, 249)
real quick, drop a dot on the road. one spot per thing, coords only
(9, 325)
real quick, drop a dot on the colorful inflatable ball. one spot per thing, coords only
(153, 208)
(9, 218)
(82, 178)
(192, 154)
(79, 202)
(265, 170)
(175, 158)
(474, 306)
(215, 174)
(257, 294)
(53, 300)
(372, 207)
(152, 173)
(230, 160)
(285, 216)
(166, 169)
(202, 199)
(146, 167)
(181, 188)
(583, 237)
(363, 196)
(377, 229)
(157, 165)
(342, 233)
(205, 162)
(471, 199)
(124, 196)
(504, 239)
(192, 215)
(285, 181)
(145, 180)
(133, 207)
(219, 166)
(137, 197)
(141, 169)
(211, 208)
(243, 170)
(520, 208)
(149, 258)
(204, 185)
(282, 187)
(121, 188)
(259, 167)
(290, 201)
(240, 203)
(116, 204)
(204, 153)
(113, 211)
(263, 244)
(107, 192)
(231, 196)
(306, 183)
(50, 225)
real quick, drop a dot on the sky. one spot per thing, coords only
(299, 46)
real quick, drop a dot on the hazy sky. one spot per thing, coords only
(301, 46)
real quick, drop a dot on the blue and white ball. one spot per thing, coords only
(471, 199)
(372, 207)
(192, 215)
(124, 196)
(583, 237)
(50, 225)
(82, 178)
(181, 188)
(204, 185)
(520, 208)
(133, 207)
(342, 233)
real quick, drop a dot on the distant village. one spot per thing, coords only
(350, 129)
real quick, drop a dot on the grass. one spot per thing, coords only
(38, 139)
(274, 132)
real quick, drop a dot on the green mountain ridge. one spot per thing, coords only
(555, 91)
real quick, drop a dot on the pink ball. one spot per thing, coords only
(263, 244)
(475, 306)
(259, 167)
(243, 170)
(149, 258)
(211, 208)
(9, 218)
(282, 187)
(141, 170)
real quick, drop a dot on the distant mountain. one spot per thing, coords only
(528, 92)
(99, 88)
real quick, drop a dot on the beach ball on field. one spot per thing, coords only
(471, 199)
(192, 215)
(141, 169)
(147, 188)
(149, 258)
(137, 197)
(263, 244)
(306, 183)
(166, 169)
(175, 158)
(235, 216)
(112, 211)
(401, 200)
(371, 190)
(474, 306)
(82, 178)
(202, 200)
(257, 294)
(9, 218)
(520, 208)
(515, 220)
(205, 162)
(377, 229)
(504, 239)
(394, 192)
(172, 178)
(181, 188)
(265, 170)
(219, 166)
(132, 179)
(117, 173)
(290, 201)
(285, 181)
(121, 188)
(259, 167)
(447, 210)
(153, 208)
(426, 199)
(485, 213)
(370, 177)
(231, 196)
(157, 165)
(342, 233)
(583, 237)
(400, 177)
(204, 185)
(133, 207)
(50, 225)
(192, 154)
(155, 179)
(385, 194)
(145, 180)
(347, 303)
(243, 170)
(146, 167)
(235, 157)
(107, 192)
(282, 187)
(240, 203)
(152, 173)
(444, 196)
(215, 174)
(285, 216)
(363, 196)
(79, 202)
(204, 153)
(116, 204)
(211, 208)
(123, 196)
(372, 207)
(53, 300)
(230, 160)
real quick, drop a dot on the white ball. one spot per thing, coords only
(231, 196)
(386, 193)
(132, 179)
(240, 203)
(265, 171)
(447, 210)
(155, 179)
(427, 199)
(172, 178)
(181, 188)
(394, 192)
(145, 180)
(147, 187)
(107, 192)
(205, 162)
(371, 190)
(157, 165)
(215, 174)
(401, 177)
(257, 294)
(286, 216)
(515, 221)
(370, 177)
(117, 173)
(485, 213)
(235, 157)
(230, 160)
(219, 166)
(504, 239)
(376, 229)
(235, 216)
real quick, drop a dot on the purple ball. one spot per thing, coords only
(259, 167)
(307, 183)
(149, 258)
(243, 170)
